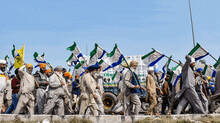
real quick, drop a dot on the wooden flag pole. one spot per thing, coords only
(136, 79)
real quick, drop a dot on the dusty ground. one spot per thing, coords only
(111, 119)
(169, 119)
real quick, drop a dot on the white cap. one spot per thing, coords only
(193, 60)
(2, 61)
(150, 68)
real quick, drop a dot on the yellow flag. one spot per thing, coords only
(19, 59)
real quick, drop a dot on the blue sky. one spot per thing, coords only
(135, 25)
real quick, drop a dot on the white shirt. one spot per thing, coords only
(3, 81)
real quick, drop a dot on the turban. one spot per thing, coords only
(199, 70)
(151, 69)
(93, 67)
(133, 63)
(2, 62)
(67, 74)
(58, 68)
(209, 78)
(29, 66)
(43, 65)
(192, 60)
(48, 71)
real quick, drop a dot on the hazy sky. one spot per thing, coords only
(135, 25)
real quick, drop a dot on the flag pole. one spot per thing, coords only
(191, 20)
(213, 57)
(167, 57)
(133, 75)
(135, 79)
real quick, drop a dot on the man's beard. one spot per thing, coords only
(42, 71)
(2, 69)
(28, 71)
(133, 70)
(94, 74)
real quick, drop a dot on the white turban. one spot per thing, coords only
(2, 61)
(193, 60)
(150, 68)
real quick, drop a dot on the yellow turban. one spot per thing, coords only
(209, 77)
(29, 66)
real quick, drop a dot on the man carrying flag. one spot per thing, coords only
(188, 91)
(27, 88)
(42, 80)
(133, 89)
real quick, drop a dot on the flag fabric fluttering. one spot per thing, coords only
(79, 68)
(76, 60)
(177, 69)
(114, 57)
(208, 71)
(118, 72)
(75, 50)
(72, 60)
(39, 58)
(14, 52)
(103, 64)
(217, 63)
(198, 52)
(96, 54)
(174, 78)
(9, 68)
(176, 73)
(7, 59)
(152, 58)
(19, 59)
(165, 68)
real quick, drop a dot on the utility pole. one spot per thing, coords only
(193, 36)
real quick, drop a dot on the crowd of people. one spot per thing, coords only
(55, 91)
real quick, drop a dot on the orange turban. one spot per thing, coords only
(43, 65)
(48, 71)
(67, 74)
(70, 76)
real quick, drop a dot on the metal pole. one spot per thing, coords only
(193, 36)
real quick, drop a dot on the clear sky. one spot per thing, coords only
(135, 25)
